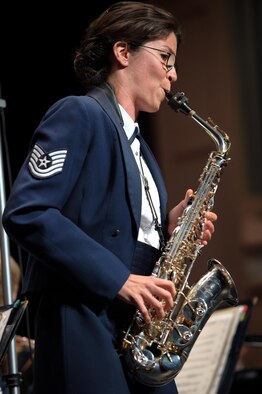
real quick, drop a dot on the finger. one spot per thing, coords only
(144, 311)
(167, 285)
(184, 202)
(150, 307)
(158, 300)
(166, 299)
(188, 194)
(207, 235)
(209, 226)
(211, 216)
(206, 238)
(156, 306)
(164, 293)
(159, 308)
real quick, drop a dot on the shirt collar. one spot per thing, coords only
(129, 124)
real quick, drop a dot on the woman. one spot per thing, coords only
(80, 209)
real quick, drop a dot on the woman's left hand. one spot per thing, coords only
(208, 227)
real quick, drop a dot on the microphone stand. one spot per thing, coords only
(13, 379)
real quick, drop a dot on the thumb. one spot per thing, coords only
(188, 194)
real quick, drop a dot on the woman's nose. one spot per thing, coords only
(172, 75)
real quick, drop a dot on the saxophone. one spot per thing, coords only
(155, 352)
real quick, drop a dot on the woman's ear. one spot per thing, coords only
(120, 51)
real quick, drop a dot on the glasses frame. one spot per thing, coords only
(168, 54)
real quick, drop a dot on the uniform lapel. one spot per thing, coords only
(133, 176)
(107, 101)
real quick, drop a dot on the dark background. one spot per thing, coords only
(220, 69)
(37, 45)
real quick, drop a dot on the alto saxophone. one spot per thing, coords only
(155, 352)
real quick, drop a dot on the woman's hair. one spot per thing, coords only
(128, 21)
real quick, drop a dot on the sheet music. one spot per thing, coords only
(202, 371)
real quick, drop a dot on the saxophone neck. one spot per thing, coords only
(219, 136)
(179, 103)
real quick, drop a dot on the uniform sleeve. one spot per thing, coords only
(33, 214)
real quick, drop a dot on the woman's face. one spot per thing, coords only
(150, 73)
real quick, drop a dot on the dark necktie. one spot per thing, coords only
(134, 135)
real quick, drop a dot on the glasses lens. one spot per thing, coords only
(171, 62)
(168, 59)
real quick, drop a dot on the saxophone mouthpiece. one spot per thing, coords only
(179, 103)
(168, 95)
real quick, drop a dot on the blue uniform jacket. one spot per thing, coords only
(75, 207)
(81, 222)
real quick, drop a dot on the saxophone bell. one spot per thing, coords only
(156, 361)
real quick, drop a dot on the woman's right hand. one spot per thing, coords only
(148, 292)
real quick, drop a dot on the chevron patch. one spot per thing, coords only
(44, 165)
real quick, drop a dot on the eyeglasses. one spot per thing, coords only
(168, 59)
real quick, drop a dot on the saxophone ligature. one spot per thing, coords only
(155, 352)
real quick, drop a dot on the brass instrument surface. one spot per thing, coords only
(155, 352)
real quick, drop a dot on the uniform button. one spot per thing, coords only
(115, 232)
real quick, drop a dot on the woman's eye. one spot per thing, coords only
(164, 56)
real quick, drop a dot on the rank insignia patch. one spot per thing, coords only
(44, 165)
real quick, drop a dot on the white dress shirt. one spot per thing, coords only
(147, 233)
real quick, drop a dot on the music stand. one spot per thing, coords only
(239, 339)
(10, 316)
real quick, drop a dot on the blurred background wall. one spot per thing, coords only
(219, 71)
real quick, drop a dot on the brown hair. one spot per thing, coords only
(128, 21)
